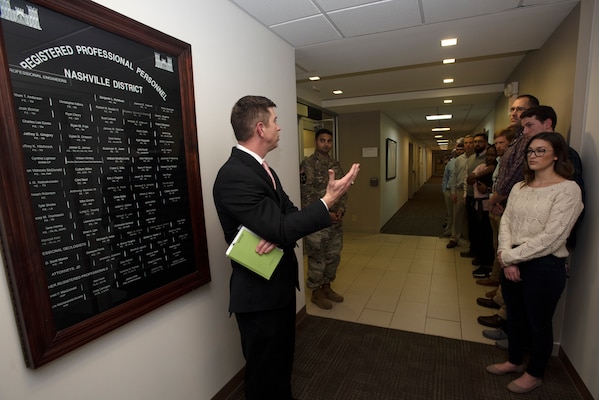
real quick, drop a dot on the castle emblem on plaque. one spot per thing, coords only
(18, 15)
(165, 63)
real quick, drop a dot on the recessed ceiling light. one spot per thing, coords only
(448, 80)
(449, 42)
(447, 101)
(438, 136)
(445, 141)
(440, 129)
(449, 61)
(314, 78)
(337, 91)
(437, 117)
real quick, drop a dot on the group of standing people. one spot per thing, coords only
(524, 206)
(521, 197)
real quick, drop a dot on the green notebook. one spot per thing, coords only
(243, 250)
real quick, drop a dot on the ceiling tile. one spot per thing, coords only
(389, 15)
(443, 10)
(527, 3)
(307, 31)
(270, 12)
(331, 5)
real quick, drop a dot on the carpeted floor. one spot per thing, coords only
(422, 215)
(349, 361)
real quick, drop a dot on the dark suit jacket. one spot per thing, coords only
(244, 195)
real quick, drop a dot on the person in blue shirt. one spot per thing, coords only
(446, 188)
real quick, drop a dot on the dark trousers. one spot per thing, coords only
(268, 344)
(480, 232)
(530, 305)
(471, 220)
(485, 248)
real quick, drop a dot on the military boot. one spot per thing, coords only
(330, 294)
(319, 299)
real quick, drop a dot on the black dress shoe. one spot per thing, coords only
(493, 321)
(489, 303)
(467, 254)
(477, 261)
(451, 244)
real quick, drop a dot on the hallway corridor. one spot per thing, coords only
(411, 283)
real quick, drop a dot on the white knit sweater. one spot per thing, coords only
(538, 221)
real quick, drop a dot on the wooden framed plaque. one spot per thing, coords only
(100, 199)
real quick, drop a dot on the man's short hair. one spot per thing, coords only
(483, 134)
(322, 131)
(532, 100)
(541, 113)
(247, 112)
(509, 133)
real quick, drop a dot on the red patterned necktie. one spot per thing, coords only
(265, 166)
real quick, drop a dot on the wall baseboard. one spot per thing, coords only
(578, 383)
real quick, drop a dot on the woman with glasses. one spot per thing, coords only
(539, 216)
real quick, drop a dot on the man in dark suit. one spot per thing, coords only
(246, 192)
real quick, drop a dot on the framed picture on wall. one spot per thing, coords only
(391, 165)
(101, 210)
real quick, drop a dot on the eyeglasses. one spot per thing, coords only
(537, 152)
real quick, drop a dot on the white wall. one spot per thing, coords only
(394, 193)
(580, 338)
(189, 348)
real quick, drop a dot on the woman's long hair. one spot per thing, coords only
(561, 166)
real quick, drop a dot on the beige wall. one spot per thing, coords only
(394, 192)
(580, 338)
(548, 74)
(370, 207)
(358, 131)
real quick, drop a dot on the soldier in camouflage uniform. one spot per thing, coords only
(323, 248)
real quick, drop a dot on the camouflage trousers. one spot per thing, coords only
(323, 249)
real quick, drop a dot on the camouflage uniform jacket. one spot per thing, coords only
(314, 178)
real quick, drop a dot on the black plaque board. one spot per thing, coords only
(101, 206)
